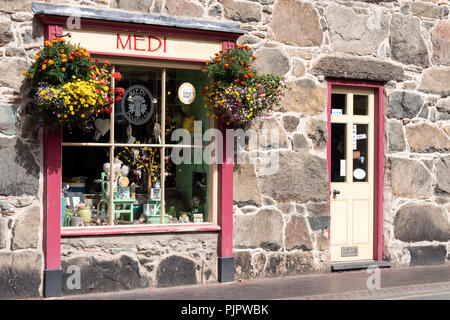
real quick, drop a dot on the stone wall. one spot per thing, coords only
(406, 45)
(281, 221)
(112, 263)
(21, 257)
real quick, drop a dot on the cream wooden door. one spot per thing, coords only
(352, 174)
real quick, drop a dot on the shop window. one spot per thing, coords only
(155, 180)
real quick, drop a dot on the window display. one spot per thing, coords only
(124, 169)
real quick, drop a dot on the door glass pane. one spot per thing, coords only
(338, 103)
(138, 115)
(360, 156)
(360, 105)
(338, 163)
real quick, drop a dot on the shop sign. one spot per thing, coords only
(186, 93)
(142, 45)
(137, 104)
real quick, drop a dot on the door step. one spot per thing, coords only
(354, 265)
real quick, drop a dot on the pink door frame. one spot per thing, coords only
(378, 156)
(52, 159)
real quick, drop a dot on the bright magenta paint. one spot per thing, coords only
(52, 186)
(111, 230)
(225, 199)
(378, 157)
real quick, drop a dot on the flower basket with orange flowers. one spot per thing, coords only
(237, 94)
(70, 88)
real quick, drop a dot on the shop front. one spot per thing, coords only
(143, 203)
(351, 171)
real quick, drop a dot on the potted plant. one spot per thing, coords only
(70, 89)
(237, 94)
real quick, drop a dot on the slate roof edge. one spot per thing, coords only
(131, 17)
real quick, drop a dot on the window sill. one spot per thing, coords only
(124, 230)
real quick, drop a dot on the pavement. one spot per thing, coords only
(410, 283)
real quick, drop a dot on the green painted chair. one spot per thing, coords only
(121, 207)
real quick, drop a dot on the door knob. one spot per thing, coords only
(335, 192)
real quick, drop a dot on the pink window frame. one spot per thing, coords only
(52, 161)
(378, 156)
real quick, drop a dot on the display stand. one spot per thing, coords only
(125, 205)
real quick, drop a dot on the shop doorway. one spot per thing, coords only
(352, 173)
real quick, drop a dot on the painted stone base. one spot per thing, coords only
(128, 262)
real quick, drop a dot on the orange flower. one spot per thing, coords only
(254, 57)
(227, 65)
(203, 70)
(64, 60)
(238, 46)
(62, 40)
(24, 72)
(243, 83)
(50, 62)
(30, 75)
(62, 50)
(245, 76)
(36, 57)
(207, 63)
(63, 69)
(44, 66)
(241, 63)
(48, 43)
(107, 62)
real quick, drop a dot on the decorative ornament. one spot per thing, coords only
(101, 128)
(138, 104)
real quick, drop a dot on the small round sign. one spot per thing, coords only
(137, 104)
(359, 174)
(186, 93)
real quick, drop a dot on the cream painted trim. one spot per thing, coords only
(145, 62)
